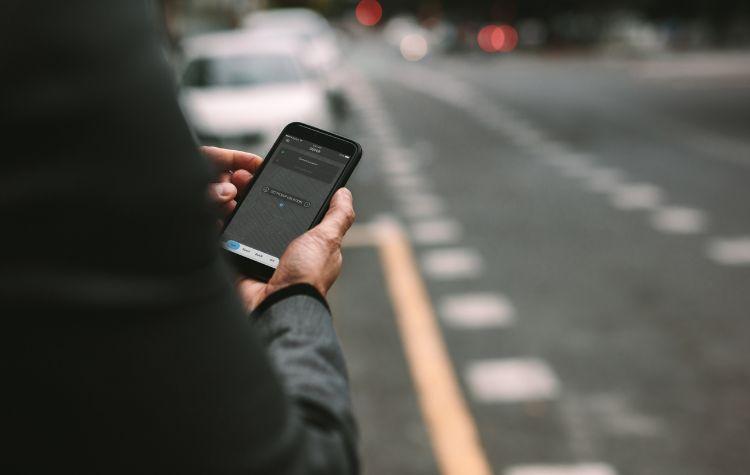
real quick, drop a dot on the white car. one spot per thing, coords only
(301, 24)
(240, 93)
(317, 40)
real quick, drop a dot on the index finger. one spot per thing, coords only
(225, 159)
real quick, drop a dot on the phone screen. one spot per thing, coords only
(284, 200)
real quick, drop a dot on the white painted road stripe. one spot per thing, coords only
(400, 167)
(636, 196)
(452, 263)
(417, 196)
(410, 182)
(679, 220)
(477, 310)
(525, 138)
(552, 148)
(604, 180)
(578, 469)
(436, 231)
(421, 208)
(569, 160)
(511, 380)
(574, 166)
(730, 251)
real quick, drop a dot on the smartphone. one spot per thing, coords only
(288, 195)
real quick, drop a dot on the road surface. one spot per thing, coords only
(582, 229)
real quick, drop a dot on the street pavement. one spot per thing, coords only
(583, 231)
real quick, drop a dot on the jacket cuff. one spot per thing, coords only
(290, 291)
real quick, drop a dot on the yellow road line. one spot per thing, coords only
(452, 431)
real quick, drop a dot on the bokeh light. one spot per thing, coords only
(497, 38)
(413, 47)
(484, 38)
(510, 39)
(368, 12)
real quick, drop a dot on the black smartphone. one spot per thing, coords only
(288, 195)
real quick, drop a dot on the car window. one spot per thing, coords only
(241, 71)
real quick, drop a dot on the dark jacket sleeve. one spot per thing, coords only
(124, 348)
(295, 326)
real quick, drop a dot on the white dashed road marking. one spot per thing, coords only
(419, 197)
(506, 380)
(523, 133)
(578, 469)
(477, 310)
(636, 196)
(572, 160)
(618, 416)
(552, 148)
(573, 166)
(603, 180)
(411, 181)
(679, 220)
(421, 207)
(452, 263)
(512, 380)
(525, 137)
(730, 251)
(400, 167)
(436, 231)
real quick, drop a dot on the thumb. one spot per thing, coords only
(340, 215)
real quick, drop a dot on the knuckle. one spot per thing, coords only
(335, 242)
(331, 238)
(321, 237)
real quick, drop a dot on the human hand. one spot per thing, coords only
(313, 258)
(234, 171)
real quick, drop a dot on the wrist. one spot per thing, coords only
(277, 287)
(274, 295)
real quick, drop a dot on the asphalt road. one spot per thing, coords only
(583, 229)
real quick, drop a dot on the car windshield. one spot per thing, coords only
(288, 20)
(241, 71)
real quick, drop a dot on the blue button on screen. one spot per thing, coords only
(234, 245)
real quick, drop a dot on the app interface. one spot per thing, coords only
(284, 200)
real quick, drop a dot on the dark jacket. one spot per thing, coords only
(124, 346)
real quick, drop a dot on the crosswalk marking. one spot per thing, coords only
(421, 207)
(477, 310)
(436, 231)
(407, 181)
(577, 469)
(451, 263)
(678, 220)
(512, 380)
(636, 196)
(419, 197)
(730, 251)
(399, 167)
(572, 165)
(603, 180)
(577, 170)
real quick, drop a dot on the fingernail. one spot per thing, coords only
(222, 189)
